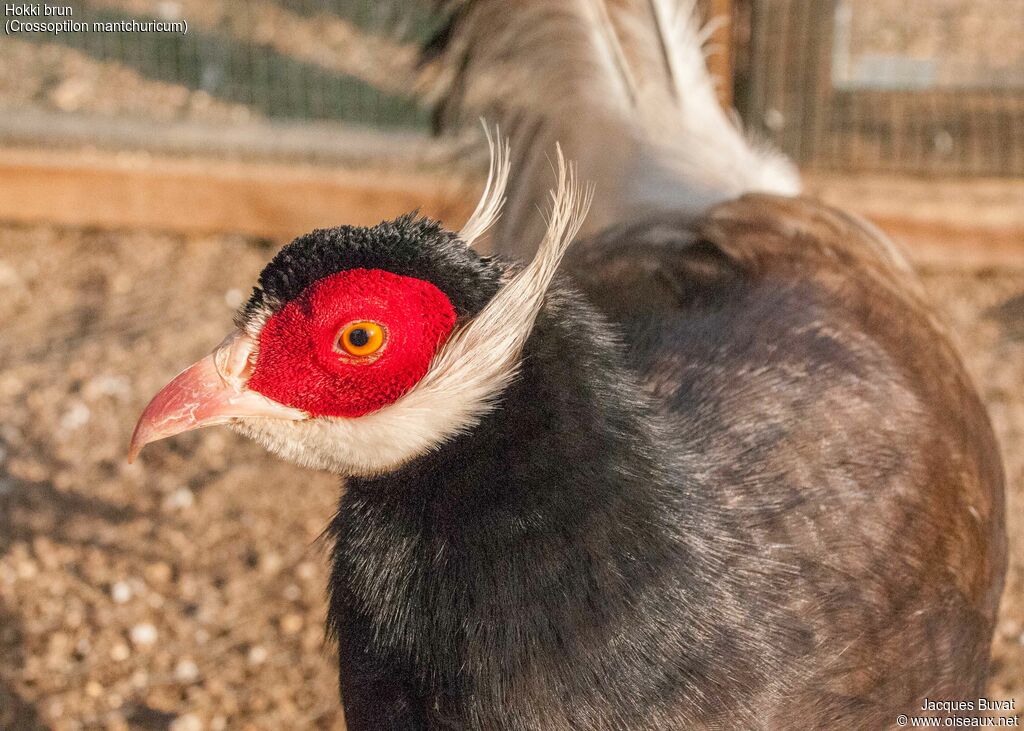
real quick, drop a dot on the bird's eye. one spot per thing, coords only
(361, 339)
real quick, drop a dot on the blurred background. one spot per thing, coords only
(146, 177)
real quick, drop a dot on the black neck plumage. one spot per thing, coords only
(521, 549)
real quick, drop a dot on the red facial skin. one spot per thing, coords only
(300, 363)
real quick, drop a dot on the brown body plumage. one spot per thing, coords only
(890, 510)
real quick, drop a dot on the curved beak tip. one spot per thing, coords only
(200, 396)
(136, 444)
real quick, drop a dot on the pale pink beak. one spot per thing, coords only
(212, 391)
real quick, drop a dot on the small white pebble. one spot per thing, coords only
(9, 276)
(188, 722)
(70, 94)
(143, 635)
(215, 442)
(257, 655)
(27, 570)
(291, 623)
(77, 415)
(234, 298)
(292, 592)
(121, 592)
(186, 671)
(180, 499)
(169, 10)
(270, 563)
(106, 385)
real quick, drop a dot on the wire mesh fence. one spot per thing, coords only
(919, 86)
(295, 69)
(289, 59)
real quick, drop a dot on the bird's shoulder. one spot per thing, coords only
(666, 261)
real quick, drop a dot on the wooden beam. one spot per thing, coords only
(944, 220)
(941, 222)
(271, 200)
(988, 204)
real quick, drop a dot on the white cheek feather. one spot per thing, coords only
(466, 377)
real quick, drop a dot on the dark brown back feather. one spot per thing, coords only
(844, 425)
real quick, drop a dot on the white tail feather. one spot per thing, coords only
(623, 85)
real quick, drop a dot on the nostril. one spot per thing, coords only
(250, 365)
(235, 358)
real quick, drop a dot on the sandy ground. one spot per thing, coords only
(186, 591)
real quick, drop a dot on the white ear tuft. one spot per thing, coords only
(493, 198)
(466, 377)
(479, 360)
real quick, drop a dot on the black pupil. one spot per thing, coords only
(359, 337)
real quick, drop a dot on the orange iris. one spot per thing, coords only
(361, 339)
